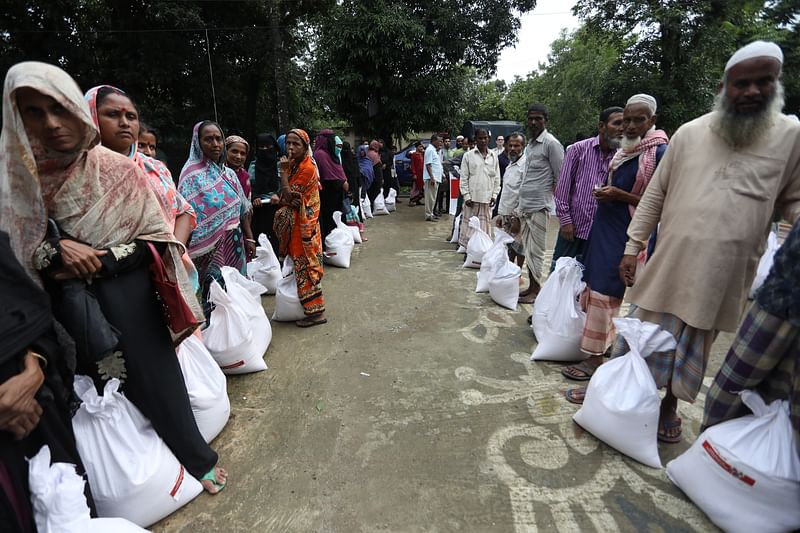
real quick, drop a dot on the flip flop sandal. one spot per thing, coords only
(210, 476)
(576, 395)
(664, 428)
(308, 323)
(580, 367)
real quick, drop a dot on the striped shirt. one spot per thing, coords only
(585, 166)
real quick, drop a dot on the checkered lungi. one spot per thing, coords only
(765, 357)
(533, 236)
(682, 368)
(599, 332)
(484, 214)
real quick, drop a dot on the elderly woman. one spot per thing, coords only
(333, 179)
(297, 227)
(104, 226)
(223, 236)
(236, 150)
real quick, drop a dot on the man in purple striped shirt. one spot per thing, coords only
(585, 167)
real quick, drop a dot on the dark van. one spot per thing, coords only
(495, 127)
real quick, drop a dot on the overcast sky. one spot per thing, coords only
(539, 28)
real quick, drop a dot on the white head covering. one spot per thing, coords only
(755, 49)
(645, 99)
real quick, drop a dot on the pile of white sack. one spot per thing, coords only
(558, 319)
(622, 405)
(380, 205)
(339, 244)
(745, 473)
(391, 200)
(265, 269)
(478, 244)
(765, 263)
(59, 504)
(239, 332)
(132, 472)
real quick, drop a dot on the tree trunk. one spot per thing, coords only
(281, 115)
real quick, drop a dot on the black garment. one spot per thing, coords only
(353, 173)
(389, 181)
(503, 161)
(154, 381)
(331, 199)
(26, 322)
(377, 185)
(267, 182)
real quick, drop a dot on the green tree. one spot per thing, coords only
(394, 66)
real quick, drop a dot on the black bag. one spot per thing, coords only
(79, 312)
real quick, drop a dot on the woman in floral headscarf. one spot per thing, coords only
(236, 151)
(297, 224)
(77, 211)
(223, 234)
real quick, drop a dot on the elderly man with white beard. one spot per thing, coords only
(714, 195)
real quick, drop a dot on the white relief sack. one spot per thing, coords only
(132, 473)
(366, 206)
(745, 473)
(497, 253)
(265, 269)
(380, 205)
(456, 228)
(236, 337)
(622, 405)
(391, 200)
(339, 244)
(354, 228)
(479, 243)
(206, 385)
(504, 283)
(558, 319)
(765, 263)
(59, 504)
(287, 303)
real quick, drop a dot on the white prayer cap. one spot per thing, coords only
(460, 138)
(645, 99)
(755, 49)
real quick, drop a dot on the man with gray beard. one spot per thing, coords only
(713, 194)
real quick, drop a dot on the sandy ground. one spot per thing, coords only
(415, 409)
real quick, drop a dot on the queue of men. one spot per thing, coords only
(676, 226)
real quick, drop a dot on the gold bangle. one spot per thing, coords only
(38, 356)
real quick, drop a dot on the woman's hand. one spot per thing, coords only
(80, 259)
(257, 201)
(286, 165)
(250, 248)
(345, 186)
(296, 200)
(275, 199)
(19, 410)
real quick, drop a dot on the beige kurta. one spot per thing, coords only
(715, 205)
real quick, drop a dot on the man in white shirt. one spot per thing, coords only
(509, 197)
(480, 185)
(432, 175)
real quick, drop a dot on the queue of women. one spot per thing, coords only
(107, 264)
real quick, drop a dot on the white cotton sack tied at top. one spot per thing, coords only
(456, 228)
(238, 335)
(765, 263)
(391, 200)
(206, 386)
(558, 319)
(380, 205)
(132, 473)
(745, 473)
(504, 283)
(59, 504)
(366, 206)
(622, 405)
(354, 229)
(287, 303)
(479, 242)
(265, 268)
(497, 253)
(339, 244)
